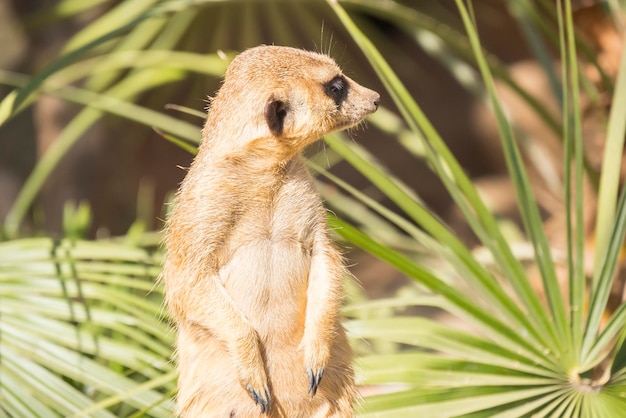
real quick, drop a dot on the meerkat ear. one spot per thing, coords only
(275, 113)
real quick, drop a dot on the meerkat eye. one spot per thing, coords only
(337, 89)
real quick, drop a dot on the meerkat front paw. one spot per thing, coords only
(251, 369)
(263, 400)
(315, 377)
(316, 357)
(255, 383)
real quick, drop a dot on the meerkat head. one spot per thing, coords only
(289, 97)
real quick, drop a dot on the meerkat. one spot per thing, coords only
(252, 278)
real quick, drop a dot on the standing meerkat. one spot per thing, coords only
(252, 278)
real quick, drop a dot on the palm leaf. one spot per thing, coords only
(545, 379)
(81, 323)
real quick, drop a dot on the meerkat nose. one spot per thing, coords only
(377, 101)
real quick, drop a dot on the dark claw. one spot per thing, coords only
(264, 402)
(314, 380)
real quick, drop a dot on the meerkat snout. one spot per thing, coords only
(252, 278)
(340, 86)
(354, 101)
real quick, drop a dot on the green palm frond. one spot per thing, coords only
(526, 358)
(82, 331)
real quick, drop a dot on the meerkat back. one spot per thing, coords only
(252, 278)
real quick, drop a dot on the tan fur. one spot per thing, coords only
(252, 278)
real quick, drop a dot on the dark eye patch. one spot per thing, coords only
(336, 89)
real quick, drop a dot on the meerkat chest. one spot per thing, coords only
(269, 253)
(287, 215)
(286, 222)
